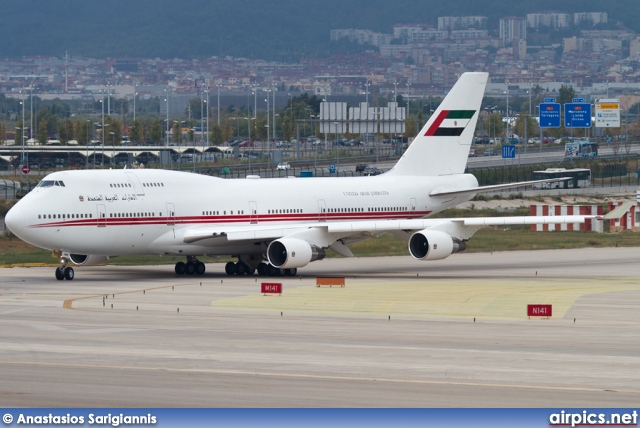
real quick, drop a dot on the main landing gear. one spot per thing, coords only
(64, 271)
(264, 269)
(191, 267)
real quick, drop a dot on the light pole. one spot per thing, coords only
(166, 144)
(337, 143)
(267, 100)
(135, 95)
(22, 131)
(507, 113)
(274, 112)
(408, 94)
(86, 164)
(218, 104)
(30, 111)
(206, 110)
(113, 143)
(202, 115)
(108, 99)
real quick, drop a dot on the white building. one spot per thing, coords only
(553, 20)
(593, 17)
(461, 22)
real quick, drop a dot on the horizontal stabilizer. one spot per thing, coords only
(482, 189)
(619, 211)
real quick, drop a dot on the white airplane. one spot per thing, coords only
(87, 216)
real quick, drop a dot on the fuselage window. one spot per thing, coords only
(90, 215)
(38, 216)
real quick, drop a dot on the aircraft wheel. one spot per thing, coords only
(69, 274)
(263, 269)
(241, 268)
(291, 272)
(230, 268)
(250, 270)
(59, 274)
(274, 271)
(180, 268)
(190, 268)
(200, 268)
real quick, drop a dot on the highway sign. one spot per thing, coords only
(26, 169)
(608, 113)
(549, 100)
(332, 168)
(577, 115)
(550, 115)
(508, 151)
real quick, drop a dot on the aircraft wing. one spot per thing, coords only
(481, 189)
(325, 233)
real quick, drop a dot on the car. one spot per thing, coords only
(490, 152)
(372, 171)
(473, 153)
(361, 167)
(283, 165)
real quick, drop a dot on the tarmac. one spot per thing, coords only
(401, 333)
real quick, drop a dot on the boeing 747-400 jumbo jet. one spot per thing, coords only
(273, 225)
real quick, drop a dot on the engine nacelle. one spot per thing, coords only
(288, 253)
(433, 245)
(82, 259)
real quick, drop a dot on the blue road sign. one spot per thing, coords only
(550, 115)
(577, 115)
(577, 100)
(332, 168)
(549, 100)
(508, 151)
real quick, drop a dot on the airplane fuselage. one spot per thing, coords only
(118, 212)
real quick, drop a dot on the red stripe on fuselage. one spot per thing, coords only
(239, 219)
(436, 124)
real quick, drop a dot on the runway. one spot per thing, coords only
(402, 333)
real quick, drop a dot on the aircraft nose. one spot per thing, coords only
(15, 220)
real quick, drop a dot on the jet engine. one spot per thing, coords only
(82, 259)
(433, 245)
(287, 253)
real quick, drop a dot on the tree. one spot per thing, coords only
(65, 131)
(155, 131)
(495, 125)
(42, 136)
(135, 132)
(177, 132)
(566, 94)
(19, 133)
(215, 135)
(82, 131)
(519, 126)
(115, 126)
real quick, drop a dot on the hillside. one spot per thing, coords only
(275, 30)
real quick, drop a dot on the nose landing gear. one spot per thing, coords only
(64, 271)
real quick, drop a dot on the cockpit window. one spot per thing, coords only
(51, 183)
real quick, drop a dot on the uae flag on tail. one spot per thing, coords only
(450, 123)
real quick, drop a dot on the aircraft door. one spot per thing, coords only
(102, 216)
(135, 182)
(253, 210)
(171, 215)
(412, 204)
(322, 210)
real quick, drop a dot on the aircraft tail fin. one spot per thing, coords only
(442, 146)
